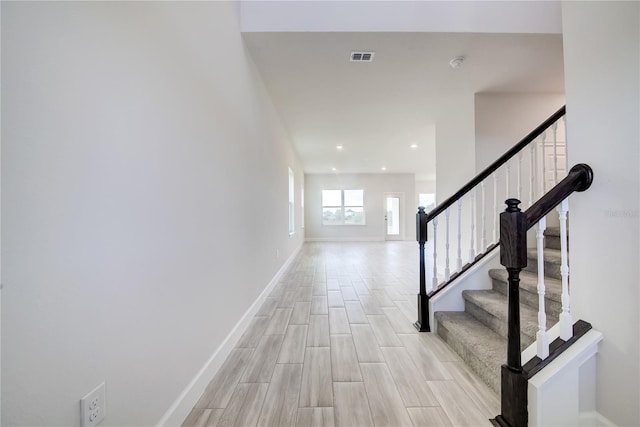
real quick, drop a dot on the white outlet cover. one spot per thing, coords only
(93, 407)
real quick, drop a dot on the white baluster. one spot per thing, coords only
(542, 338)
(472, 249)
(554, 128)
(447, 271)
(435, 253)
(506, 184)
(459, 261)
(532, 173)
(483, 231)
(566, 320)
(544, 165)
(519, 174)
(566, 145)
(495, 208)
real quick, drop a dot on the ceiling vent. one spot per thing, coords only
(362, 56)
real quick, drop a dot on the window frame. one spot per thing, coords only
(343, 208)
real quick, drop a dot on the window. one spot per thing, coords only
(292, 210)
(343, 207)
(428, 200)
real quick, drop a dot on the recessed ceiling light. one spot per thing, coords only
(339, 147)
(334, 169)
(414, 146)
(383, 168)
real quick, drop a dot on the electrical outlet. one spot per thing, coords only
(93, 407)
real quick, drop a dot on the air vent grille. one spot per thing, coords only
(362, 56)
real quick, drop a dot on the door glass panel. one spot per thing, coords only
(393, 216)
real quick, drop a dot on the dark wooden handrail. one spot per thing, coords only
(495, 165)
(513, 256)
(578, 179)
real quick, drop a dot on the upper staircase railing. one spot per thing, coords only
(540, 157)
(513, 255)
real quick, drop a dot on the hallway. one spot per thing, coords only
(334, 344)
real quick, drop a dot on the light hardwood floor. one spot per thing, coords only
(333, 344)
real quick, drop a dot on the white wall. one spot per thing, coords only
(602, 75)
(455, 147)
(374, 186)
(429, 16)
(0, 230)
(503, 119)
(455, 166)
(144, 196)
(424, 186)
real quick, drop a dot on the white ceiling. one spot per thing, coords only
(377, 110)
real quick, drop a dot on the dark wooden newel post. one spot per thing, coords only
(513, 255)
(422, 324)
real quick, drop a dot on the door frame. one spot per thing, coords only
(400, 196)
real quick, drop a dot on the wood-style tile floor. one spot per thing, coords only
(334, 344)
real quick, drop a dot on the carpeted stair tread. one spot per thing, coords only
(480, 347)
(553, 232)
(552, 238)
(490, 308)
(552, 262)
(550, 255)
(529, 283)
(479, 333)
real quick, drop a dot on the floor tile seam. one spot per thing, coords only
(243, 400)
(244, 368)
(466, 392)
(369, 400)
(278, 351)
(301, 378)
(475, 376)
(419, 372)
(453, 381)
(422, 406)
(365, 393)
(330, 369)
(396, 385)
(265, 399)
(315, 407)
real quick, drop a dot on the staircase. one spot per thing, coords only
(497, 325)
(479, 334)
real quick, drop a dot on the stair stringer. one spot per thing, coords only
(563, 393)
(476, 278)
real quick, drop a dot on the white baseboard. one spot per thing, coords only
(343, 239)
(181, 407)
(595, 419)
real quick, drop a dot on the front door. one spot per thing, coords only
(393, 219)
